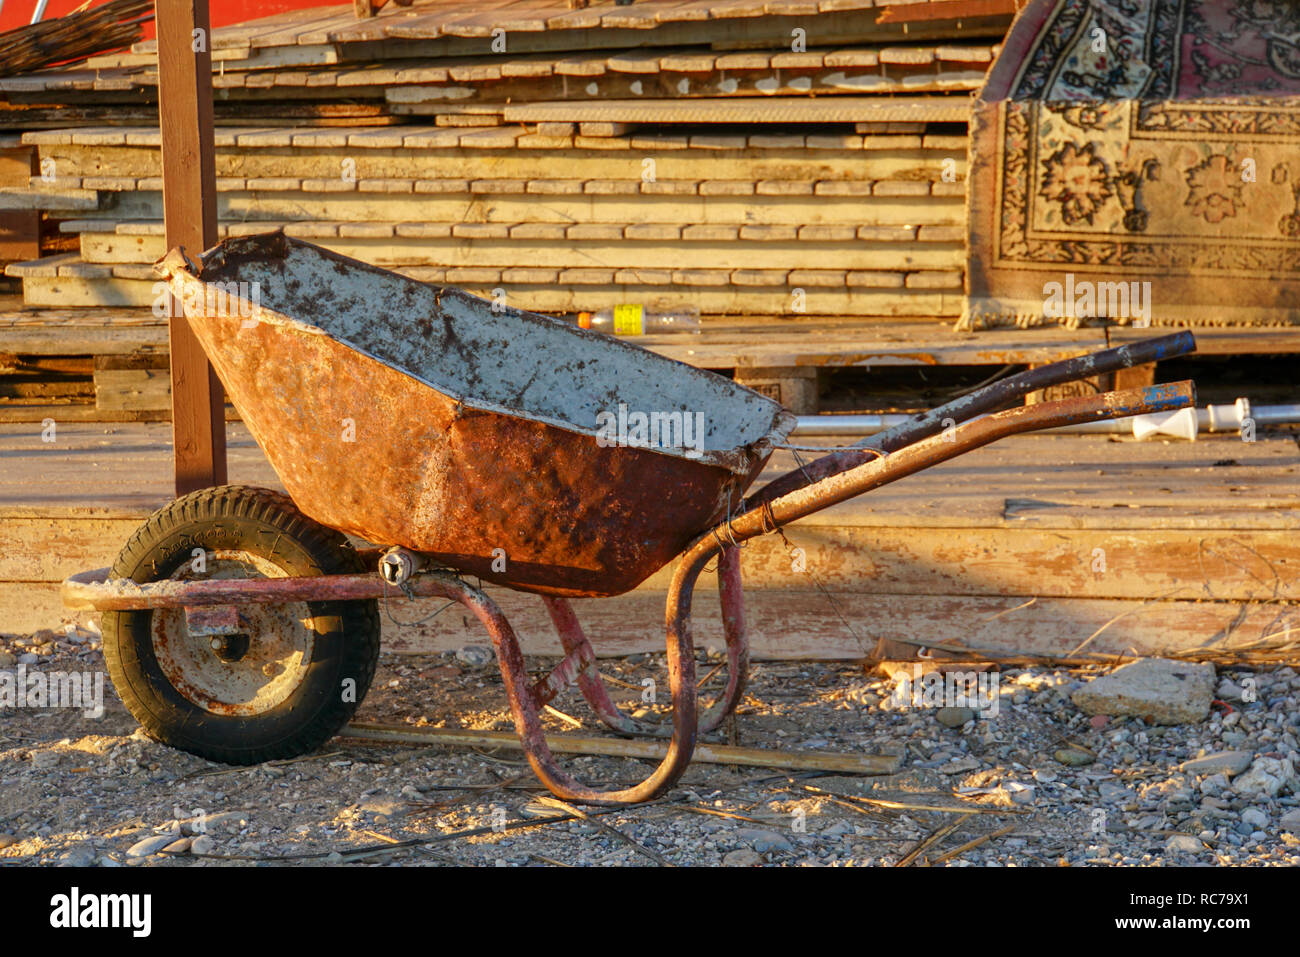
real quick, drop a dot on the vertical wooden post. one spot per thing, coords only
(190, 220)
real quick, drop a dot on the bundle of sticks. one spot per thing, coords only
(74, 37)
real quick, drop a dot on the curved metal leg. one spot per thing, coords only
(524, 707)
(593, 687)
(590, 682)
(732, 597)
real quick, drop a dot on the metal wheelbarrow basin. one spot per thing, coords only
(502, 443)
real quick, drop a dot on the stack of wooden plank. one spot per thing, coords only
(785, 160)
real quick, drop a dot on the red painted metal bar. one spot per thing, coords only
(577, 664)
(593, 687)
(975, 403)
(733, 627)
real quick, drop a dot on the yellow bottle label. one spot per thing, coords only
(628, 320)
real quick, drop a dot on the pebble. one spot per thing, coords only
(763, 841)
(1229, 690)
(954, 717)
(1184, 844)
(1073, 757)
(1265, 778)
(45, 760)
(79, 855)
(9, 840)
(1214, 785)
(225, 821)
(202, 845)
(742, 857)
(150, 845)
(1291, 821)
(1230, 763)
(1111, 791)
(29, 658)
(1254, 817)
(474, 656)
(383, 809)
(7, 660)
(179, 846)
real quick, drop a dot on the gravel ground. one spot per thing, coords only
(1044, 783)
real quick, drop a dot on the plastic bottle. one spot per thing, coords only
(633, 319)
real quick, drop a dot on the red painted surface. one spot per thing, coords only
(18, 13)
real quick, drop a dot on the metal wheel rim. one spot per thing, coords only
(281, 639)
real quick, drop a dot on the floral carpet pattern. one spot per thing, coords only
(1148, 144)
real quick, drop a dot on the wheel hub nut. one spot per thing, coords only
(230, 647)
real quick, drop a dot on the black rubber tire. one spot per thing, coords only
(345, 643)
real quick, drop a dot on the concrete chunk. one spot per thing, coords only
(1155, 689)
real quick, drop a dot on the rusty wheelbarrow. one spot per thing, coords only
(462, 438)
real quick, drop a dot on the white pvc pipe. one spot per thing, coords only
(1212, 418)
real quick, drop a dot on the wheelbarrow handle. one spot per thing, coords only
(931, 451)
(978, 402)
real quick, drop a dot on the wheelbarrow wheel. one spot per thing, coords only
(291, 676)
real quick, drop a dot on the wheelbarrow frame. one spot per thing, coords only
(924, 441)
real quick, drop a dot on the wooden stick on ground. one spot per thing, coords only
(971, 844)
(607, 828)
(934, 837)
(908, 806)
(621, 748)
(549, 860)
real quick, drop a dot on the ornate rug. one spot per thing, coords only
(1138, 161)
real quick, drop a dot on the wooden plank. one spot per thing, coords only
(132, 389)
(802, 626)
(713, 290)
(360, 31)
(321, 19)
(478, 23)
(945, 10)
(20, 234)
(190, 212)
(647, 14)
(845, 109)
(755, 157)
(728, 208)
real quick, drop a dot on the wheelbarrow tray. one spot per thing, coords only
(419, 415)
